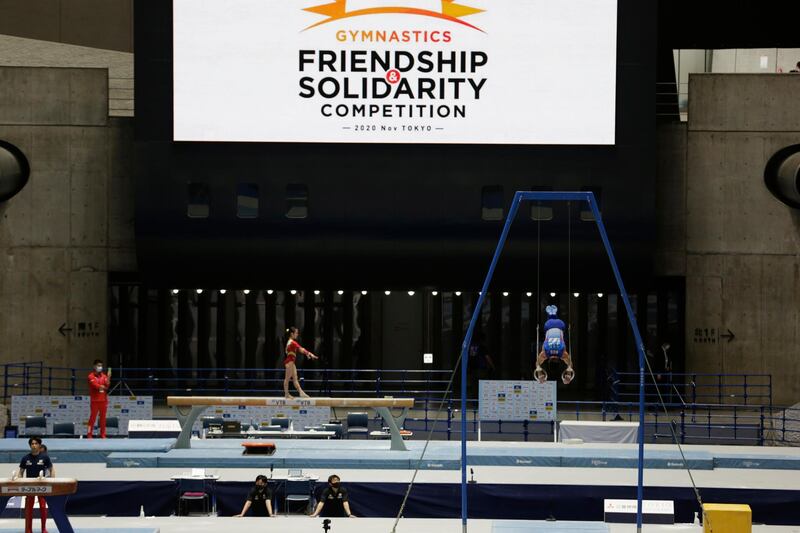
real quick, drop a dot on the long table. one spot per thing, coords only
(198, 404)
(287, 434)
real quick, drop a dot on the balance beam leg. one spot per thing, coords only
(394, 430)
(186, 422)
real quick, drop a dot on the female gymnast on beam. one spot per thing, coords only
(554, 347)
(292, 348)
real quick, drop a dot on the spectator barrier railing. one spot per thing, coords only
(693, 421)
(693, 388)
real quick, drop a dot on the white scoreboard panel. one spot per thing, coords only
(517, 401)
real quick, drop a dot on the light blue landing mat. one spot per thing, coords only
(541, 526)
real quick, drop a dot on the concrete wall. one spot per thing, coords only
(73, 221)
(97, 23)
(742, 246)
(20, 52)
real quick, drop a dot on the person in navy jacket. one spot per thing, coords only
(36, 464)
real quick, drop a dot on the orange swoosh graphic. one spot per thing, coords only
(391, 10)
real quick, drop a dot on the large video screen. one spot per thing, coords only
(395, 71)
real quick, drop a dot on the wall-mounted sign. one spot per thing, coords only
(411, 71)
(81, 329)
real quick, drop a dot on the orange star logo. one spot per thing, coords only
(450, 11)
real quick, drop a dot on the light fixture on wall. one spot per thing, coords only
(434, 293)
(270, 291)
(782, 175)
(599, 294)
(458, 293)
(223, 291)
(316, 293)
(293, 292)
(387, 293)
(246, 291)
(552, 295)
(505, 293)
(576, 294)
(411, 293)
(340, 292)
(528, 294)
(175, 291)
(199, 291)
(363, 293)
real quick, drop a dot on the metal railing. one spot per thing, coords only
(694, 388)
(23, 378)
(27, 378)
(695, 424)
(693, 420)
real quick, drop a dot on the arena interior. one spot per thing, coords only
(400, 266)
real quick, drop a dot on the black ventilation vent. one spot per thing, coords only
(782, 175)
(14, 170)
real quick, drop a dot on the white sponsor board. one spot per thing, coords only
(411, 71)
(648, 506)
(653, 511)
(75, 409)
(517, 401)
(27, 489)
(153, 426)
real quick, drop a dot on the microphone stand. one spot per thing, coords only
(121, 381)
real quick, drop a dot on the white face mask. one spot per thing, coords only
(98, 368)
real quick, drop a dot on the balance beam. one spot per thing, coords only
(198, 404)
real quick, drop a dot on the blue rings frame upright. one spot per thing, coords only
(551, 196)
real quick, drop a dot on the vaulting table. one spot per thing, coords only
(198, 404)
(55, 489)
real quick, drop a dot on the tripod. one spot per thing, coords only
(121, 384)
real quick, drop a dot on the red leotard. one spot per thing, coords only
(292, 347)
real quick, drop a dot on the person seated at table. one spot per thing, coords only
(333, 502)
(260, 498)
(34, 465)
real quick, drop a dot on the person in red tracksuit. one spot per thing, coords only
(98, 392)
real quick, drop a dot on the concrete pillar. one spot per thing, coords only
(55, 234)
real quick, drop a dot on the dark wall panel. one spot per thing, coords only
(106, 24)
